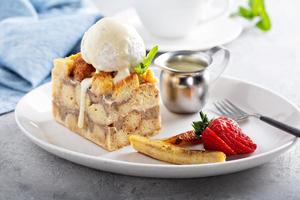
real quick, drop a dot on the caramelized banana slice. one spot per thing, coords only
(187, 138)
(163, 151)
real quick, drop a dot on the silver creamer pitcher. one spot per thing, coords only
(184, 89)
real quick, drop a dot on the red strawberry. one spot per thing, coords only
(226, 130)
(230, 132)
(212, 141)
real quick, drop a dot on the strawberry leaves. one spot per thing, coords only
(199, 126)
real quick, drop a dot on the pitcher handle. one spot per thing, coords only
(216, 69)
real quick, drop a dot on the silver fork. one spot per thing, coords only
(227, 108)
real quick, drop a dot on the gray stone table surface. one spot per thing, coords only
(271, 60)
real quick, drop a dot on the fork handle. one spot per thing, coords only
(292, 130)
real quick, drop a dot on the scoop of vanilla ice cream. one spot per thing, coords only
(110, 46)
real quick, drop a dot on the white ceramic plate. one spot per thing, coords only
(33, 115)
(207, 35)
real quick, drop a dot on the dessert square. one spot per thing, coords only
(107, 112)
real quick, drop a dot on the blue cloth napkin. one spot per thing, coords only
(32, 34)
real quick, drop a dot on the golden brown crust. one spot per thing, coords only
(75, 66)
(102, 83)
(62, 68)
(81, 69)
(74, 56)
(124, 88)
(149, 77)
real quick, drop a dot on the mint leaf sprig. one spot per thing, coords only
(143, 66)
(256, 8)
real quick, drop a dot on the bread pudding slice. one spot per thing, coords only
(107, 113)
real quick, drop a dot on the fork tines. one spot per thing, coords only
(227, 108)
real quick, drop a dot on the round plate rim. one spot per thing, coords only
(53, 147)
